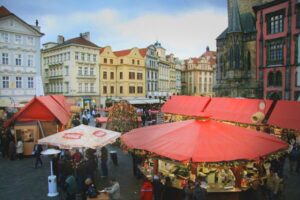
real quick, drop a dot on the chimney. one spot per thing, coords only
(85, 35)
(60, 39)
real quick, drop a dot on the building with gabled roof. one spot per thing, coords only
(20, 66)
(71, 67)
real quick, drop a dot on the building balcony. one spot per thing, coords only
(55, 77)
(80, 76)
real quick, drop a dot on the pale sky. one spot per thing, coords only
(183, 27)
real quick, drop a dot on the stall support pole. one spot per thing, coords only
(155, 166)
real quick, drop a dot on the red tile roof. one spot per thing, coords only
(4, 12)
(143, 52)
(101, 50)
(209, 53)
(122, 52)
(81, 41)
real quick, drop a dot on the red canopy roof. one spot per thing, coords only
(286, 114)
(202, 141)
(186, 105)
(44, 108)
(236, 109)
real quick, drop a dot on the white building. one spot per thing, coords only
(20, 64)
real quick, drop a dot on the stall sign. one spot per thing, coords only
(73, 136)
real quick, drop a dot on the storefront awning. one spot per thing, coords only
(236, 109)
(286, 114)
(186, 105)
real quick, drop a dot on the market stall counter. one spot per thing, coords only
(101, 196)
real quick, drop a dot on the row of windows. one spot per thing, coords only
(57, 71)
(152, 75)
(131, 75)
(17, 39)
(85, 57)
(57, 87)
(275, 22)
(275, 53)
(275, 79)
(131, 89)
(19, 59)
(152, 87)
(19, 82)
(111, 61)
(86, 71)
(86, 87)
(57, 58)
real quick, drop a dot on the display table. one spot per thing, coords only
(101, 196)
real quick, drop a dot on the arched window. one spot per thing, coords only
(271, 79)
(248, 60)
(237, 56)
(278, 79)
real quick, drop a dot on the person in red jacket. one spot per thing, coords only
(146, 190)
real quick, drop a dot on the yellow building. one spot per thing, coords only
(198, 74)
(71, 68)
(122, 74)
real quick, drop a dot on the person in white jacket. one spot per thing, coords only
(114, 190)
(19, 149)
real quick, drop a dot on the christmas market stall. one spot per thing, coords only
(226, 158)
(40, 117)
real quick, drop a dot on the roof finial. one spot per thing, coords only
(36, 22)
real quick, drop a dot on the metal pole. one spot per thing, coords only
(51, 167)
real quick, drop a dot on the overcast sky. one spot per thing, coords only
(183, 27)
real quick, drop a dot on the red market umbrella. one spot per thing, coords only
(202, 141)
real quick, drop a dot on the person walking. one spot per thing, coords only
(19, 149)
(12, 150)
(104, 157)
(37, 153)
(146, 190)
(114, 190)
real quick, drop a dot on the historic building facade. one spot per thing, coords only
(20, 66)
(198, 74)
(122, 74)
(151, 64)
(236, 52)
(71, 68)
(178, 71)
(172, 75)
(278, 49)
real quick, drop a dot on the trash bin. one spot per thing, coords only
(114, 157)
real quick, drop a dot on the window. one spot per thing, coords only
(121, 61)
(92, 71)
(298, 17)
(275, 22)
(94, 58)
(79, 87)
(139, 76)
(68, 56)
(88, 57)
(112, 89)
(5, 82)
(92, 87)
(297, 78)
(4, 37)
(138, 62)
(131, 75)
(111, 75)
(278, 79)
(133, 61)
(66, 70)
(104, 89)
(86, 87)
(79, 71)
(76, 55)
(30, 82)
(18, 39)
(275, 53)
(18, 82)
(86, 71)
(121, 89)
(82, 56)
(30, 40)
(30, 60)
(65, 56)
(270, 79)
(5, 58)
(104, 75)
(111, 61)
(139, 89)
(131, 89)
(18, 59)
(67, 88)
(105, 60)
(121, 75)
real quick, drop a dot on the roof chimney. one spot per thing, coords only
(60, 39)
(85, 35)
(207, 48)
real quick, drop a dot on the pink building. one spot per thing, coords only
(278, 49)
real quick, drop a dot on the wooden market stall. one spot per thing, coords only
(225, 157)
(42, 116)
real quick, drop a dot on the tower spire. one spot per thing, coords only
(235, 21)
